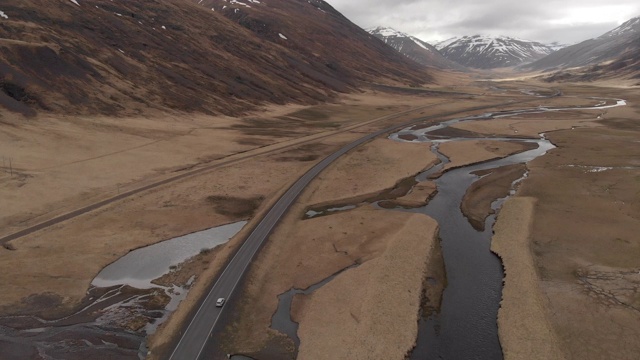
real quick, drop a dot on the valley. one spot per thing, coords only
(392, 164)
(220, 179)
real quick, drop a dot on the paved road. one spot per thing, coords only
(197, 334)
(195, 337)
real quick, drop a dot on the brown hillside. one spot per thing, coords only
(115, 57)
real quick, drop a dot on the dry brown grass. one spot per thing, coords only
(319, 247)
(495, 184)
(523, 324)
(371, 312)
(582, 240)
(462, 153)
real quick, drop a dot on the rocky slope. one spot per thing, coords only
(123, 57)
(413, 48)
(484, 52)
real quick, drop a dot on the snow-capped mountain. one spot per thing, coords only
(627, 28)
(412, 47)
(609, 46)
(485, 52)
(555, 46)
(443, 44)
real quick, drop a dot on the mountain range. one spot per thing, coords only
(478, 51)
(485, 52)
(613, 54)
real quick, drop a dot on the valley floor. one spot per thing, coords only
(575, 219)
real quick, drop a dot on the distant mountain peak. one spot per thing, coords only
(412, 47)
(445, 43)
(488, 52)
(386, 31)
(631, 26)
(614, 53)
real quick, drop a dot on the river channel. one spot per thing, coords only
(466, 325)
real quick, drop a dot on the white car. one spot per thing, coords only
(220, 302)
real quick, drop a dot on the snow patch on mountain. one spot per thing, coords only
(486, 52)
(443, 44)
(412, 47)
(387, 33)
(555, 46)
(629, 27)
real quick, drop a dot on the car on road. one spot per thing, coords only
(220, 302)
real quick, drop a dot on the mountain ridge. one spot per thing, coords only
(606, 47)
(487, 52)
(412, 47)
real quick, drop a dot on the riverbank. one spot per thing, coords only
(523, 324)
(372, 311)
(568, 239)
(65, 261)
(584, 235)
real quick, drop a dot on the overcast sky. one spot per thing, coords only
(565, 21)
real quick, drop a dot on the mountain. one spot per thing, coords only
(413, 48)
(485, 52)
(617, 44)
(555, 46)
(219, 57)
(443, 44)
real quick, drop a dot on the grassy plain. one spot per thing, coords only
(582, 217)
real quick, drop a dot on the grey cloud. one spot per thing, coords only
(541, 20)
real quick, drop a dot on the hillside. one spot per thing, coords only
(125, 57)
(413, 48)
(616, 52)
(484, 52)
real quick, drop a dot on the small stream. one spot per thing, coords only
(281, 319)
